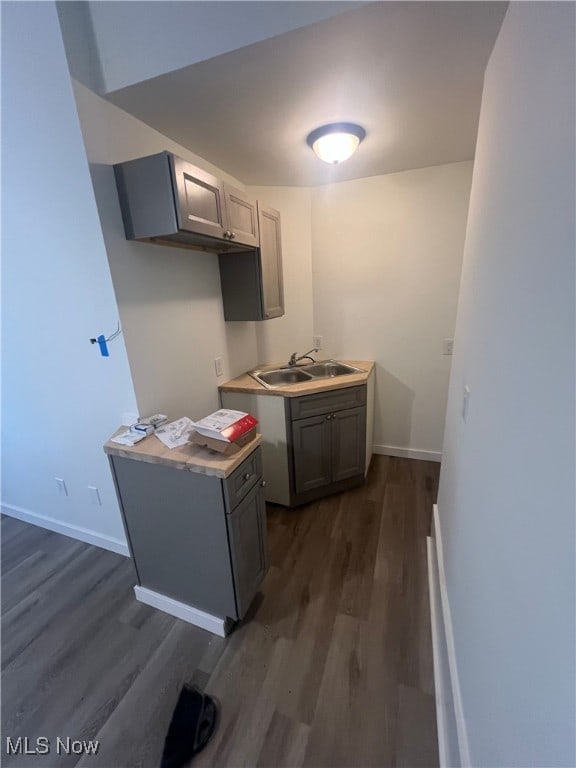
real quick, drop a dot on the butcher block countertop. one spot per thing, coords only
(245, 382)
(190, 457)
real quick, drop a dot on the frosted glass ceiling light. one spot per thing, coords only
(336, 142)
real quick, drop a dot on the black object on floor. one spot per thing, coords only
(191, 727)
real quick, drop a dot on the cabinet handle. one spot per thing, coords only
(263, 484)
(247, 476)
(232, 235)
(328, 416)
(226, 234)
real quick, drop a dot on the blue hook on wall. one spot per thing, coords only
(103, 346)
(102, 341)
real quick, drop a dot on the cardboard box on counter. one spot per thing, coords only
(222, 446)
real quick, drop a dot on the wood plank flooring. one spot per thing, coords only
(332, 667)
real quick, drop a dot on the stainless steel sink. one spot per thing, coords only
(328, 369)
(280, 377)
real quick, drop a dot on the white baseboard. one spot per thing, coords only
(214, 624)
(67, 529)
(407, 453)
(442, 698)
(461, 730)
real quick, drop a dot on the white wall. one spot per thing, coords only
(506, 497)
(60, 399)
(169, 298)
(80, 43)
(387, 253)
(177, 34)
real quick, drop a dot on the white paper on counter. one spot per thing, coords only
(127, 438)
(176, 433)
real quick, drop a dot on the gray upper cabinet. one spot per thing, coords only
(251, 281)
(166, 199)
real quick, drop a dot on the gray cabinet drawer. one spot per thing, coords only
(243, 479)
(324, 402)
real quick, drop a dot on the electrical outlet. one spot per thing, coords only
(317, 341)
(447, 346)
(94, 496)
(465, 403)
(218, 363)
(62, 490)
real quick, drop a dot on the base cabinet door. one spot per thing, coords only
(248, 548)
(328, 447)
(348, 443)
(311, 446)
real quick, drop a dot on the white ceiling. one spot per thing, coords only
(178, 33)
(409, 72)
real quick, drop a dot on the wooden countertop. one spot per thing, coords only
(245, 382)
(190, 457)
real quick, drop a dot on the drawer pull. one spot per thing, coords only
(328, 416)
(247, 476)
(263, 484)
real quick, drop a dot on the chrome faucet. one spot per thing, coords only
(293, 359)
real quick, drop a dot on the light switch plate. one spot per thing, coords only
(62, 490)
(447, 346)
(218, 364)
(94, 496)
(465, 403)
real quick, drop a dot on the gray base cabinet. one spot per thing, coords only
(327, 442)
(196, 538)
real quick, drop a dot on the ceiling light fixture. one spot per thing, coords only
(336, 142)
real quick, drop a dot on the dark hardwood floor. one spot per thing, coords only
(331, 668)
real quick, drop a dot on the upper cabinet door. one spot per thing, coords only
(271, 262)
(200, 205)
(242, 217)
